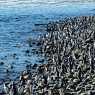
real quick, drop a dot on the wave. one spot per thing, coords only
(16, 2)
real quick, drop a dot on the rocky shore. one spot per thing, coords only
(69, 50)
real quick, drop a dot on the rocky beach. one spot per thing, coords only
(69, 50)
(47, 47)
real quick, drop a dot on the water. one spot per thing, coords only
(17, 19)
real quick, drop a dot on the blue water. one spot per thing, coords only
(17, 20)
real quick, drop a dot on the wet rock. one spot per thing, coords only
(27, 51)
(10, 88)
(39, 44)
(2, 63)
(41, 61)
(34, 66)
(14, 55)
(29, 41)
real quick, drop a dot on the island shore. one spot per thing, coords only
(69, 50)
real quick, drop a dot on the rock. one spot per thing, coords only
(2, 63)
(92, 92)
(27, 51)
(75, 80)
(29, 41)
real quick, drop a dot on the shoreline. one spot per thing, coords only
(68, 48)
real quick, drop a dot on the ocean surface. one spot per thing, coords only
(17, 25)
